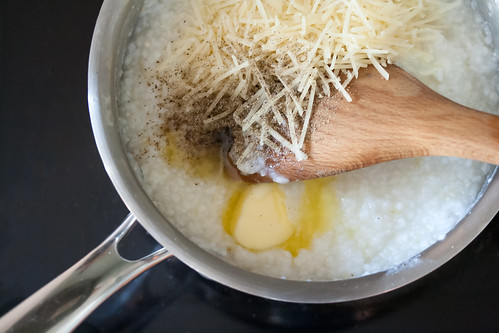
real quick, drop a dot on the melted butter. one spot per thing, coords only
(258, 220)
(204, 163)
(317, 210)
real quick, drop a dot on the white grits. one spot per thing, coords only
(388, 213)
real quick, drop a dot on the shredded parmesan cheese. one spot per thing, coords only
(274, 58)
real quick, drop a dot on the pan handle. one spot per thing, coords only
(62, 304)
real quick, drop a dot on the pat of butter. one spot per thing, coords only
(260, 217)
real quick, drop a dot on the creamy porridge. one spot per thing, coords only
(348, 225)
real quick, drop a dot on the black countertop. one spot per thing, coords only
(57, 204)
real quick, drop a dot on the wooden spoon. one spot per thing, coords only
(388, 120)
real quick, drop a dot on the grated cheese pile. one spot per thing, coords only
(266, 62)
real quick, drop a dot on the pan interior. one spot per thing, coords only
(115, 25)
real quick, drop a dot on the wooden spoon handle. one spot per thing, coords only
(424, 123)
(463, 132)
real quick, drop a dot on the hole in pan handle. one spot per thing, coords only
(62, 304)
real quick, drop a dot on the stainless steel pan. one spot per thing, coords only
(66, 301)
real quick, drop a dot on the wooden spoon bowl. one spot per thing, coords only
(388, 120)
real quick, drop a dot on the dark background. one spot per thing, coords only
(57, 204)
